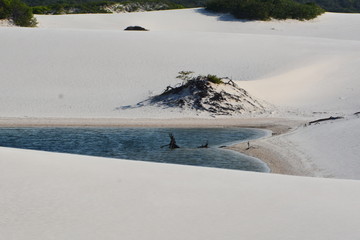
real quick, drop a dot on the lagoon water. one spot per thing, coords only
(144, 144)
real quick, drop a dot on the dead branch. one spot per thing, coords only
(172, 144)
(206, 145)
(325, 119)
(230, 82)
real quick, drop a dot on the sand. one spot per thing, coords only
(61, 196)
(79, 70)
(280, 156)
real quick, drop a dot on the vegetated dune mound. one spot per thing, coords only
(218, 96)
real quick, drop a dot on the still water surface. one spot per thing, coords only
(142, 144)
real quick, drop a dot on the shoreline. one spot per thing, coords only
(262, 149)
(276, 125)
(279, 159)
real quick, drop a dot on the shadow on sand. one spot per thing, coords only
(226, 17)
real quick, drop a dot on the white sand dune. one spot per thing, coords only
(60, 196)
(199, 20)
(86, 66)
(332, 146)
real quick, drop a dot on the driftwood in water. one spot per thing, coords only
(357, 113)
(172, 144)
(325, 119)
(206, 145)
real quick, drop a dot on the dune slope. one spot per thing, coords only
(58, 196)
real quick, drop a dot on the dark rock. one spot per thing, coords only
(135, 28)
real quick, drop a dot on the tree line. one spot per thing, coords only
(328, 5)
(90, 6)
(351, 6)
(266, 9)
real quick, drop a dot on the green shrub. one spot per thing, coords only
(17, 12)
(265, 9)
(188, 76)
(214, 79)
(5, 9)
(21, 14)
(337, 5)
(78, 6)
(220, 6)
(41, 10)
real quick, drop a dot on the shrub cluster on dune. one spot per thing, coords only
(266, 9)
(17, 12)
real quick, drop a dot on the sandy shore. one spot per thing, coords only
(277, 125)
(280, 159)
(278, 153)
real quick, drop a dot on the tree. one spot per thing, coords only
(17, 12)
(21, 14)
(5, 9)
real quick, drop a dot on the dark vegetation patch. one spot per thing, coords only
(17, 12)
(85, 6)
(265, 9)
(89, 6)
(135, 28)
(350, 6)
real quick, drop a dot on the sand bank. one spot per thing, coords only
(278, 153)
(277, 125)
(280, 156)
